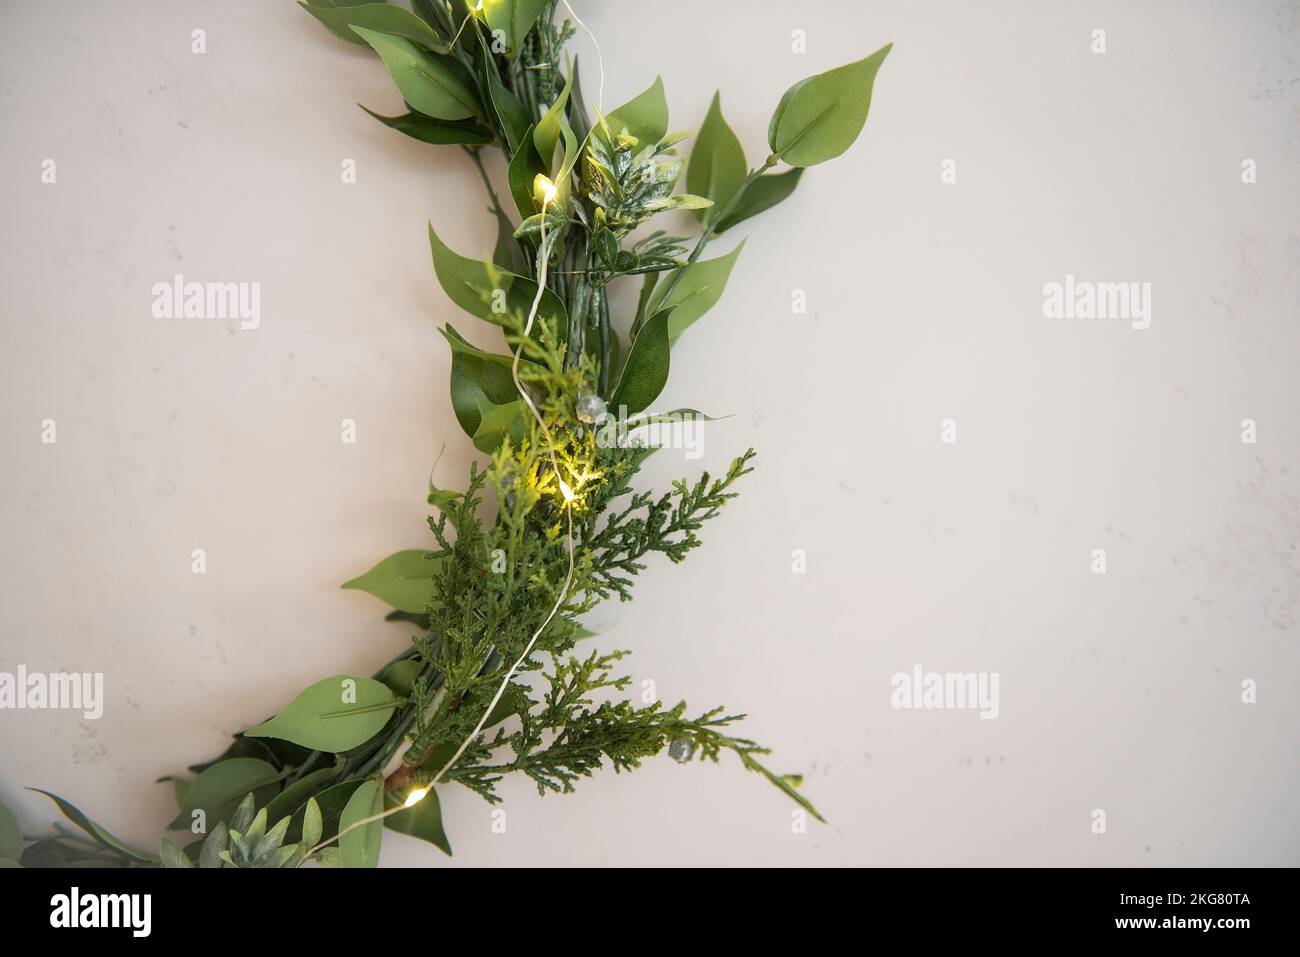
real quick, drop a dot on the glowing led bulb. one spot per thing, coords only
(415, 797)
(542, 184)
(566, 491)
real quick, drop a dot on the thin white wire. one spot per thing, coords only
(468, 17)
(550, 441)
(600, 60)
(555, 465)
(568, 576)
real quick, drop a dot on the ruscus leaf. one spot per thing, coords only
(426, 83)
(437, 132)
(695, 293)
(490, 294)
(382, 17)
(513, 18)
(403, 580)
(819, 117)
(360, 846)
(334, 715)
(646, 370)
(717, 165)
(762, 194)
(101, 836)
(477, 377)
(422, 820)
(645, 116)
(218, 791)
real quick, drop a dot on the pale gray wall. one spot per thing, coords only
(1119, 692)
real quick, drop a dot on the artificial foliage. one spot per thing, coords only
(498, 679)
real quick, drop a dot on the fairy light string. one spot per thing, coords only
(468, 17)
(543, 257)
(549, 192)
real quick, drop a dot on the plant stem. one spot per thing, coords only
(487, 183)
(578, 324)
(754, 174)
(606, 343)
(383, 754)
(579, 298)
(315, 756)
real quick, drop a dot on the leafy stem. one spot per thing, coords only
(474, 155)
(718, 217)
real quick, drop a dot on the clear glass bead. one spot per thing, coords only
(590, 408)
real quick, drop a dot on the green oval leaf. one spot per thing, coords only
(360, 847)
(401, 675)
(422, 820)
(762, 194)
(645, 116)
(334, 715)
(101, 836)
(403, 580)
(383, 17)
(330, 804)
(547, 132)
(491, 294)
(646, 370)
(524, 166)
(220, 788)
(515, 119)
(438, 132)
(717, 166)
(280, 753)
(695, 293)
(288, 801)
(514, 18)
(477, 377)
(312, 824)
(564, 177)
(424, 82)
(179, 787)
(495, 422)
(579, 118)
(819, 118)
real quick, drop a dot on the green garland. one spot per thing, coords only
(570, 529)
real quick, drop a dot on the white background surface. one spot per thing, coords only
(1118, 692)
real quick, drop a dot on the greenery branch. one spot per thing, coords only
(351, 756)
